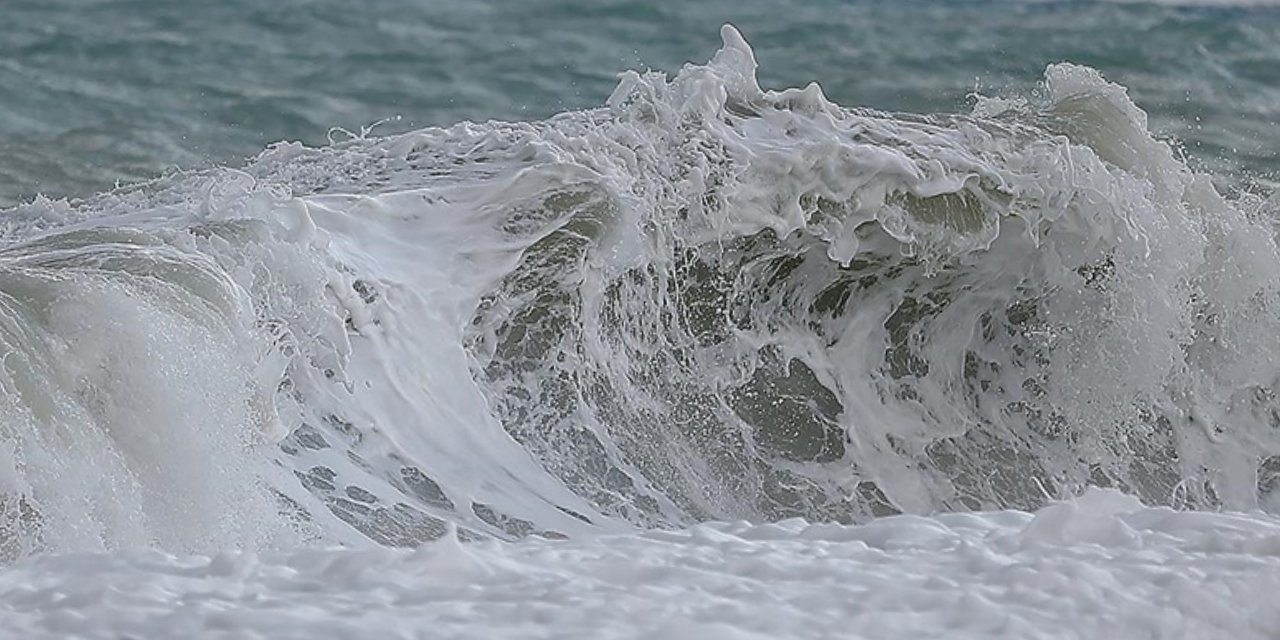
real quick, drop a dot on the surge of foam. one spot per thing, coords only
(702, 301)
(1102, 566)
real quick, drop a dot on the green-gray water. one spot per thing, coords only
(94, 92)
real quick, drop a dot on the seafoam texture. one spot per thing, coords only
(1103, 566)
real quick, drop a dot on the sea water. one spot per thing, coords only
(100, 91)
(973, 335)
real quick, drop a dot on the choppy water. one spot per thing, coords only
(650, 299)
(99, 91)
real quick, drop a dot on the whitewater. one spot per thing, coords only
(705, 361)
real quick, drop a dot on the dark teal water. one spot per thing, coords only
(99, 92)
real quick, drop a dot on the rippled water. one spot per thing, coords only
(100, 91)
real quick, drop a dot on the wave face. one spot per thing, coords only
(703, 301)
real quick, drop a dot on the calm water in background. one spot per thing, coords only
(95, 92)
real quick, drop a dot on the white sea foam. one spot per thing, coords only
(1100, 567)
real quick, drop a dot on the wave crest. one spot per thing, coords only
(702, 301)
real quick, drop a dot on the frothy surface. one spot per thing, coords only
(1100, 567)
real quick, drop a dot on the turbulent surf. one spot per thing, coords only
(701, 301)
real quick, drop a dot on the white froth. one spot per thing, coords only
(1101, 567)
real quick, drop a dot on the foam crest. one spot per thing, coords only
(841, 312)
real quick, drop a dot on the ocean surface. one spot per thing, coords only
(105, 91)
(489, 319)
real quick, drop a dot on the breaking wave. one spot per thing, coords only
(703, 301)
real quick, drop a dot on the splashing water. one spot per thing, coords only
(703, 301)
